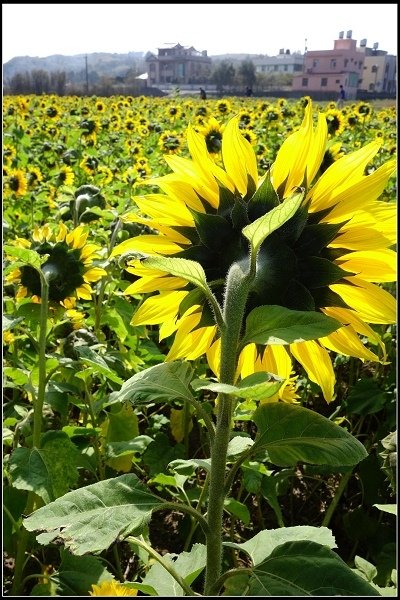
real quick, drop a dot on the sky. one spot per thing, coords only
(46, 29)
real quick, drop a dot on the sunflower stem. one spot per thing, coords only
(236, 293)
(37, 429)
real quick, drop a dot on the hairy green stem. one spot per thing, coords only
(235, 301)
(167, 566)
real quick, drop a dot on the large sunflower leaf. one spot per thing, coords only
(260, 546)
(162, 383)
(279, 325)
(306, 569)
(260, 229)
(92, 518)
(292, 433)
(190, 270)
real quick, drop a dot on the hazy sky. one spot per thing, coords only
(45, 29)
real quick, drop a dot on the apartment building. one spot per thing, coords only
(178, 65)
(379, 71)
(326, 70)
(284, 62)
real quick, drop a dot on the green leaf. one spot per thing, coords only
(24, 256)
(264, 543)
(160, 453)
(188, 565)
(365, 398)
(76, 575)
(292, 433)
(260, 229)
(162, 383)
(137, 444)
(238, 509)
(92, 518)
(98, 364)
(255, 386)
(278, 325)
(190, 270)
(388, 508)
(49, 471)
(306, 569)
(239, 444)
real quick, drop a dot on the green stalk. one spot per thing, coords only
(235, 301)
(37, 429)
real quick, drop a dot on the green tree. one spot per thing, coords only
(223, 74)
(247, 72)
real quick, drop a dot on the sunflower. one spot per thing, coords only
(170, 141)
(363, 110)
(110, 587)
(212, 132)
(69, 265)
(333, 152)
(223, 107)
(335, 120)
(65, 176)
(34, 176)
(327, 258)
(16, 183)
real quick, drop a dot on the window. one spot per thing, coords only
(333, 63)
(324, 81)
(346, 62)
(315, 63)
(374, 69)
(285, 68)
(337, 81)
(304, 82)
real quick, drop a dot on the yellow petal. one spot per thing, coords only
(345, 341)
(157, 308)
(214, 357)
(191, 344)
(372, 303)
(164, 210)
(154, 284)
(147, 244)
(238, 157)
(94, 274)
(275, 359)
(198, 150)
(346, 171)
(347, 199)
(376, 265)
(349, 317)
(317, 364)
(84, 291)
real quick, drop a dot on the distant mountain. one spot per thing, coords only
(101, 63)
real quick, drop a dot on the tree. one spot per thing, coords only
(247, 72)
(223, 74)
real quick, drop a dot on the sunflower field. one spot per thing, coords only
(199, 347)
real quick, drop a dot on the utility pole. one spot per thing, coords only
(87, 75)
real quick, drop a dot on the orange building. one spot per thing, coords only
(326, 70)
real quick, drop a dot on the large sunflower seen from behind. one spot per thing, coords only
(327, 258)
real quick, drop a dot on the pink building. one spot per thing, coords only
(326, 70)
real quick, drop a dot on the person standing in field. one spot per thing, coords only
(342, 96)
(203, 94)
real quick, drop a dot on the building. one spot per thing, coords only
(379, 72)
(325, 70)
(178, 65)
(284, 62)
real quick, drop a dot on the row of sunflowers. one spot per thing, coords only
(248, 243)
